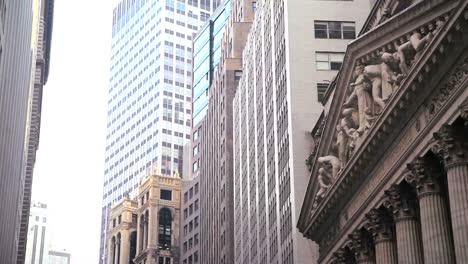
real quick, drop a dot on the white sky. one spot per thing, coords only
(69, 168)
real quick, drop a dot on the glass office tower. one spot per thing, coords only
(150, 92)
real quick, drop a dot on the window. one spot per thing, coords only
(329, 60)
(195, 166)
(334, 30)
(166, 195)
(321, 89)
(191, 193)
(195, 150)
(237, 75)
(196, 188)
(165, 228)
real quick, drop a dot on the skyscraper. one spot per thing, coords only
(216, 163)
(206, 57)
(20, 40)
(41, 74)
(150, 92)
(294, 49)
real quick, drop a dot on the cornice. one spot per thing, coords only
(421, 73)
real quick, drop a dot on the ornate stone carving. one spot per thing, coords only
(424, 176)
(444, 93)
(361, 246)
(400, 202)
(331, 163)
(451, 144)
(379, 225)
(343, 256)
(464, 113)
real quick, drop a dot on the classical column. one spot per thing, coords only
(380, 225)
(435, 225)
(361, 246)
(402, 204)
(124, 247)
(452, 145)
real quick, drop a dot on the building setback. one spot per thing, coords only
(20, 33)
(150, 93)
(216, 183)
(294, 50)
(389, 174)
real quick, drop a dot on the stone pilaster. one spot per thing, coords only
(361, 246)
(452, 146)
(402, 204)
(435, 225)
(380, 225)
(125, 247)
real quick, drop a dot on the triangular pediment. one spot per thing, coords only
(382, 69)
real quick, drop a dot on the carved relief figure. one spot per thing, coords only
(390, 74)
(333, 162)
(341, 145)
(324, 181)
(361, 93)
(374, 74)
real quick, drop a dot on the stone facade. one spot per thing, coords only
(146, 230)
(389, 171)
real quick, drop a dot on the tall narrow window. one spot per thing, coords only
(165, 229)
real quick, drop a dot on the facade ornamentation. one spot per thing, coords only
(379, 225)
(361, 245)
(400, 202)
(451, 145)
(424, 176)
(373, 85)
(399, 195)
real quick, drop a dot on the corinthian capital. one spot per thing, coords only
(361, 245)
(424, 176)
(400, 202)
(379, 225)
(451, 144)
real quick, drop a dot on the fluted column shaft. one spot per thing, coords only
(437, 241)
(409, 244)
(458, 194)
(386, 252)
(451, 144)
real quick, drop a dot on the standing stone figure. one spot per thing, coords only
(324, 183)
(374, 74)
(361, 94)
(390, 77)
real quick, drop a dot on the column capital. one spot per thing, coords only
(451, 145)
(379, 224)
(342, 256)
(361, 246)
(424, 175)
(400, 202)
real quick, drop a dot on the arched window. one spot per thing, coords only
(133, 246)
(165, 228)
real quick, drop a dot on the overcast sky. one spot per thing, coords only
(69, 167)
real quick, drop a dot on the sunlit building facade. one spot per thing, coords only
(150, 92)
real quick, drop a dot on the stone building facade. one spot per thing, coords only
(292, 47)
(123, 232)
(389, 174)
(216, 180)
(146, 230)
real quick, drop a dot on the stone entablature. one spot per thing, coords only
(366, 154)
